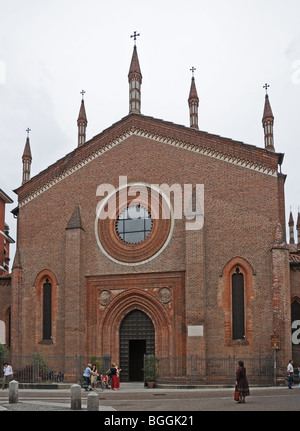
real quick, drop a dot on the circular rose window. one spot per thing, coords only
(139, 225)
(134, 224)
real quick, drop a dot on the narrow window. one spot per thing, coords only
(47, 310)
(238, 324)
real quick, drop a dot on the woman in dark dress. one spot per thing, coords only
(114, 378)
(241, 382)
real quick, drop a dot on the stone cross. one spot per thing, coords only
(135, 35)
(266, 86)
(193, 70)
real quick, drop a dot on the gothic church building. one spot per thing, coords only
(137, 281)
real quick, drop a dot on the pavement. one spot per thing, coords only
(31, 391)
(135, 397)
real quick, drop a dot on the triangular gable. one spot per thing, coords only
(168, 133)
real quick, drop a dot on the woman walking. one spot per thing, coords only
(241, 382)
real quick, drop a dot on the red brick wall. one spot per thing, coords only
(240, 215)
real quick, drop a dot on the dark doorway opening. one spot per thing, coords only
(137, 338)
(137, 350)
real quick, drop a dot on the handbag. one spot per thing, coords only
(236, 395)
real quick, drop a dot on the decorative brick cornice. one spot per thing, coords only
(5, 280)
(224, 149)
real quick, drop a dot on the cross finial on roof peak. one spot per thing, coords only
(193, 70)
(266, 86)
(82, 92)
(28, 130)
(135, 35)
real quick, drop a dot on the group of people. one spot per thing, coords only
(241, 383)
(91, 375)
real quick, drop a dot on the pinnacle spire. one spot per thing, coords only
(82, 114)
(134, 65)
(193, 101)
(26, 160)
(82, 122)
(27, 149)
(291, 228)
(268, 122)
(267, 110)
(135, 81)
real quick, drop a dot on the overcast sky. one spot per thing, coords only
(52, 49)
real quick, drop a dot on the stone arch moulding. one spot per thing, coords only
(39, 281)
(228, 270)
(133, 299)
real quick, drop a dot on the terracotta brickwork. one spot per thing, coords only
(159, 295)
(241, 210)
(216, 291)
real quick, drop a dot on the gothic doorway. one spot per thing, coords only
(137, 338)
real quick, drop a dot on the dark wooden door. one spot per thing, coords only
(137, 338)
(137, 350)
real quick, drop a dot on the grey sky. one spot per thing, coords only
(52, 49)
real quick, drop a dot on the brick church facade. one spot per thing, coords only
(135, 281)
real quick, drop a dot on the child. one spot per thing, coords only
(104, 381)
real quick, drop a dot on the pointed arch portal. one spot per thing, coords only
(128, 315)
(137, 338)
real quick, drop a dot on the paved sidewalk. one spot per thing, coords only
(134, 396)
(39, 405)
